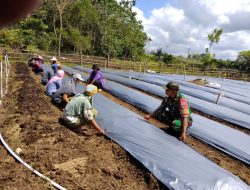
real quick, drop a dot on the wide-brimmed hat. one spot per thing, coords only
(53, 59)
(78, 76)
(96, 66)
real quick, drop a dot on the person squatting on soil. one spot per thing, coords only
(36, 64)
(54, 83)
(174, 111)
(79, 111)
(46, 76)
(60, 98)
(96, 77)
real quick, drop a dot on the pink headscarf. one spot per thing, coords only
(59, 75)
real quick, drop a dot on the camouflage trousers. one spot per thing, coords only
(172, 121)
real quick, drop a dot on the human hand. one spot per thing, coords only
(147, 117)
(101, 132)
(183, 137)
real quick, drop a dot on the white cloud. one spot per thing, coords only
(186, 23)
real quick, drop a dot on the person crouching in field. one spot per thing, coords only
(54, 83)
(36, 64)
(46, 76)
(96, 77)
(55, 65)
(79, 111)
(60, 98)
(174, 111)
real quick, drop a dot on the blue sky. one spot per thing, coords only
(148, 5)
(177, 25)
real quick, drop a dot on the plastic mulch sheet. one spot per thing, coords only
(220, 136)
(225, 113)
(172, 162)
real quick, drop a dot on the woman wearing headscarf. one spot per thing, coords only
(61, 97)
(96, 77)
(54, 83)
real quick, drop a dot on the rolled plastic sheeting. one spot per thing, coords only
(220, 136)
(230, 87)
(236, 100)
(161, 79)
(225, 113)
(171, 161)
(239, 93)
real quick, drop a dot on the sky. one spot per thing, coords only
(177, 26)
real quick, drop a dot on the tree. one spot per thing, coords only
(98, 27)
(168, 58)
(214, 37)
(61, 5)
(158, 54)
(121, 34)
(245, 59)
(10, 38)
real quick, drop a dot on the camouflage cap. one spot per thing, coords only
(172, 85)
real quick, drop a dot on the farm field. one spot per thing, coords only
(74, 161)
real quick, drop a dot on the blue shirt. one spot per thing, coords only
(54, 67)
(52, 87)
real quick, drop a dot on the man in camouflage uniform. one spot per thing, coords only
(174, 111)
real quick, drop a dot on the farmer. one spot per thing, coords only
(79, 111)
(36, 64)
(61, 97)
(54, 64)
(46, 76)
(54, 83)
(174, 111)
(96, 77)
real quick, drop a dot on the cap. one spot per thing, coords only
(172, 85)
(78, 76)
(54, 59)
(95, 66)
(90, 90)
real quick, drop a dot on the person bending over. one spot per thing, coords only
(79, 111)
(96, 77)
(61, 97)
(54, 83)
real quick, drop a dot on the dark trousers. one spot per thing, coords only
(98, 84)
(58, 102)
(172, 132)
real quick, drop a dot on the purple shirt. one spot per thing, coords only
(97, 76)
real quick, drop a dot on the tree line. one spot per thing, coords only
(93, 27)
(208, 60)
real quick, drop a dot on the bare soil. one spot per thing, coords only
(29, 121)
(199, 81)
